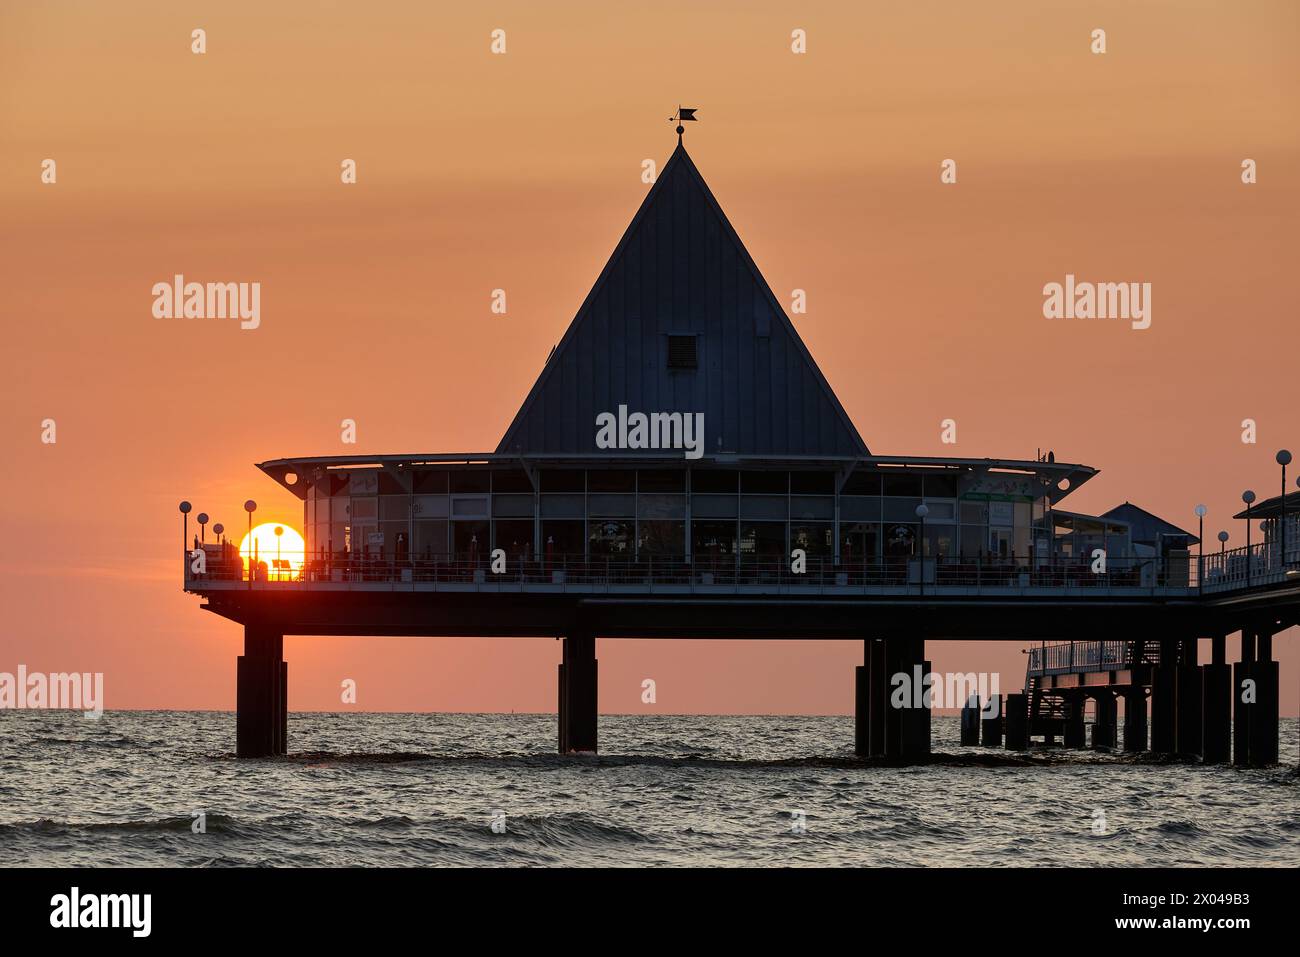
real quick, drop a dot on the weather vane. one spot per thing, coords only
(684, 114)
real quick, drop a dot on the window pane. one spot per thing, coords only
(469, 507)
(394, 508)
(661, 506)
(470, 540)
(714, 481)
(430, 483)
(764, 483)
(515, 537)
(562, 539)
(909, 485)
(475, 481)
(812, 483)
(512, 480)
(611, 538)
(860, 542)
(812, 506)
(900, 539)
(662, 538)
(900, 509)
(712, 540)
(762, 542)
(562, 506)
(771, 507)
(661, 481)
(813, 537)
(713, 506)
(430, 540)
(941, 486)
(862, 483)
(613, 506)
(512, 506)
(610, 480)
(563, 480)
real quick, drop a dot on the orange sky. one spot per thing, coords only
(520, 172)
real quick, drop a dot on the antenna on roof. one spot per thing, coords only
(684, 114)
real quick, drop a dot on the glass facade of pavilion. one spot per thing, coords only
(701, 513)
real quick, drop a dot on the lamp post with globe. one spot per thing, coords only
(250, 507)
(1248, 497)
(1200, 545)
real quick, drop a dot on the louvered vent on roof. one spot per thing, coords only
(681, 353)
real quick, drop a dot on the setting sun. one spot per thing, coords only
(281, 554)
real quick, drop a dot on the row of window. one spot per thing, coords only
(628, 539)
(362, 482)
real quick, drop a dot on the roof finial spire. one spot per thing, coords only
(684, 114)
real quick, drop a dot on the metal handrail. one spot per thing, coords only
(890, 572)
(1079, 656)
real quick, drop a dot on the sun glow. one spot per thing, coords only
(279, 556)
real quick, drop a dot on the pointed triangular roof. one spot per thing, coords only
(681, 270)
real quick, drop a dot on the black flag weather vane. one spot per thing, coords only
(684, 114)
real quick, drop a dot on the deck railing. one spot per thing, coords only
(577, 572)
(1255, 566)
(1080, 656)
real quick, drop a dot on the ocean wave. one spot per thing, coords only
(213, 823)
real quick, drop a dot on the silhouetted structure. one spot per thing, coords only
(681, 468)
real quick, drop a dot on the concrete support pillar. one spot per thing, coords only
(1105, 730)
(871, 701)
(907, 729)
(261, 695)
(1216, 709)
(879, 703)
(1075, 733)
(1243, 710)
(970, 722)
(1187, 719)
(991, 723)
(1017, 722)
(578, 695)
(1135, 720)
(881, 728)
(1164, 706)
(862, 706)
(1264, 720)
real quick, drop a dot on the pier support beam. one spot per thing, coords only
(1105, 730)
(991, 723)
(261, 695)
(1263, 723)
(871, 701)
(1135, 719)
(1188, 716)
(881, 729)
(1075, 734)
(1216, 704)
(1017, 722)
(578, 694)
(914, 726)
(904, 732)
(1164, 700)
(1243, 706)
(970, 722)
